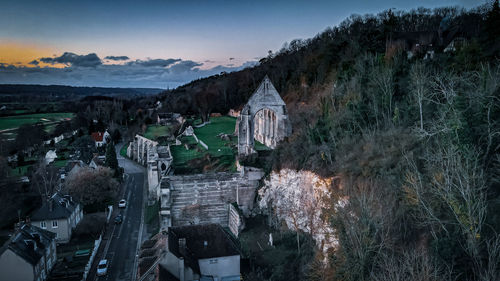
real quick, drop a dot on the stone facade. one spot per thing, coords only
(206, 198)
(263, 118)
(156, 158)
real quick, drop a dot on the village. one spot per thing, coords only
(183, 198)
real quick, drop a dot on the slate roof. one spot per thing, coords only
(218, 243)
(62, 207)
(29, 242)
(72, 163)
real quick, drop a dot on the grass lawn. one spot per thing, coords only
(20, 171)
(222, 154)
(155, 131)
(60, 163)
(181, 155)
(12, 122)
(123, 150)
(208, 134)
(260, 146)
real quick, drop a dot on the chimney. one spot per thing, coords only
(182, 246)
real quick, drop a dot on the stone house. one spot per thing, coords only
(201, 252)
(168, 118)
(59, 214)
(29, 254)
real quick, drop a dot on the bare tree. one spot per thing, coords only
(411, 265)
(456, 182)
(91, 186)
(419, 78)
(46, 179)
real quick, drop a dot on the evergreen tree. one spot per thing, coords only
(493, 21)
(111, 160)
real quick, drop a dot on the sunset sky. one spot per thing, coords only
(160, 43)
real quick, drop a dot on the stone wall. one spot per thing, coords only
(156, 158)
(205, 198)
(264, 118)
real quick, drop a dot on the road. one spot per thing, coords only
(121, 247)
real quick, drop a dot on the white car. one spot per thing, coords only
(102, 268)
(122, 203)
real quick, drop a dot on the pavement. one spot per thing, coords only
(121, 242)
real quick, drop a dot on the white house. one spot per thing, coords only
(28, 255)
(199, 252)
(50, 156)
(59, 214)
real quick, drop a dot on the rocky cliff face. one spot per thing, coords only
(302, 199)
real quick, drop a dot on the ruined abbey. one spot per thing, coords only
(214, 197)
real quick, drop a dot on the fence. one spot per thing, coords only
(97, 243)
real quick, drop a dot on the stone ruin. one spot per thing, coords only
(263, 118)
(157, 159)
(208, 198)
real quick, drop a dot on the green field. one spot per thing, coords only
(12, 122)
(209, 135)
(221, 152)
(155, 131)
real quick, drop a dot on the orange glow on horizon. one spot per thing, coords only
(21, 54)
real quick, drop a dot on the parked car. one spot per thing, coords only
(102, 268)
(122, 203)
(119, 219)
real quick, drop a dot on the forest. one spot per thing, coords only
(401, 109)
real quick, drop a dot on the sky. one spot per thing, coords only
(160, 44)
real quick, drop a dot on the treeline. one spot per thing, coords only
(302, 65)
(412, 142)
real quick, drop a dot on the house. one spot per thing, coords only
(169, 118)
(201, 252)
(50, 156)
(72, 167)
(29, 254)
(97, 161)
(59, 214)
(101, 138)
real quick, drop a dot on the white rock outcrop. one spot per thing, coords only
(299, 198)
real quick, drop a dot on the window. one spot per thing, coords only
(43, 225)
(54, 224)
(213, 261)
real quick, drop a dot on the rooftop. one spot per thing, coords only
(202, 241)
(29, 242)
(57, 207)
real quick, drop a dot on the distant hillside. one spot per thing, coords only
(58, 90)
(304, 66)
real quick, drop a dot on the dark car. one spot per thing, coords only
(119, 219)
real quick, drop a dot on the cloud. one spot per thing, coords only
(34, 62)
(154, 62)
(150, 73)
(184, 66)
(72, 59)
(117, 58)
